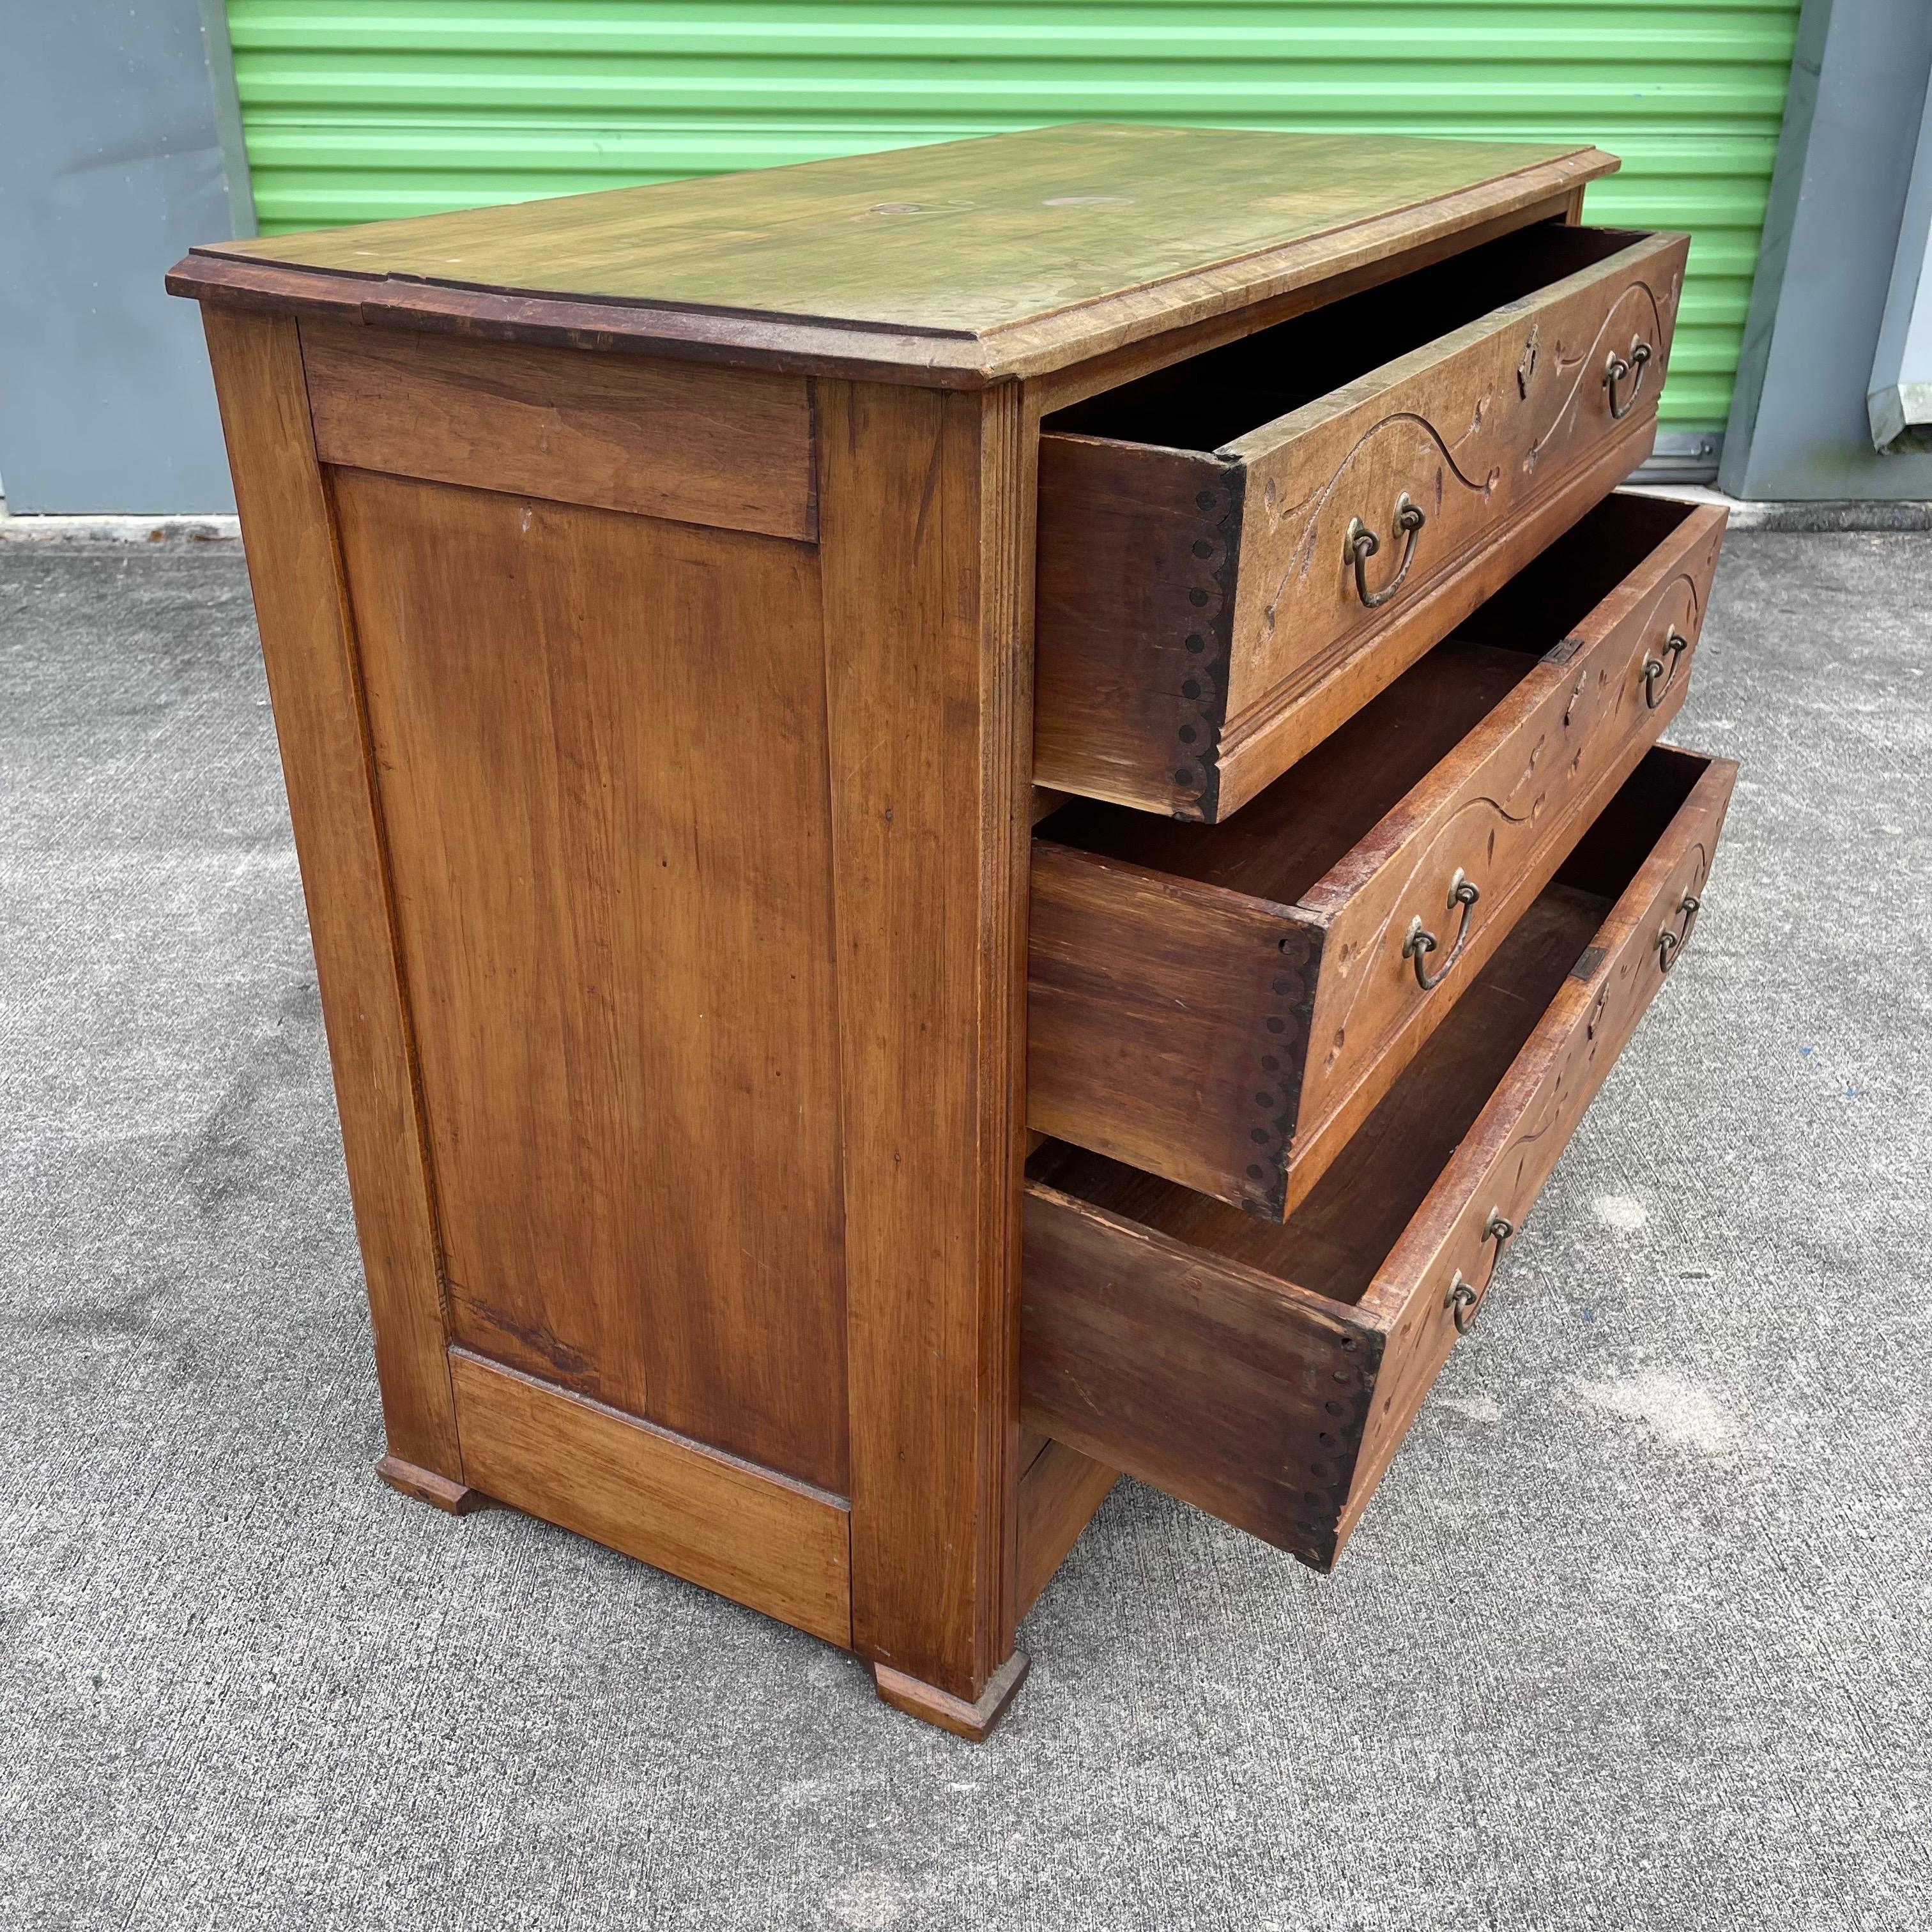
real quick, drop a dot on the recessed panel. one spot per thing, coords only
(613, 899)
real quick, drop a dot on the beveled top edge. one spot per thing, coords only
(1017, 335)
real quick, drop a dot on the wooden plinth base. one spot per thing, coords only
(426, 1486)
(973, 1722)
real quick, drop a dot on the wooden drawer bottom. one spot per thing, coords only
(1268, 1372)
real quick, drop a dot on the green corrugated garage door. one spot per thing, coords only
(359, 109)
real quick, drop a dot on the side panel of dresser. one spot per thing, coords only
(599, 742)
(397, 976)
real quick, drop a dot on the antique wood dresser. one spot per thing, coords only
(972, 817)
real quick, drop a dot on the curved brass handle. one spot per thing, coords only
(1670, 944)
(1419, 944)
(1463, 1301)
(1676, 644)
(1617, 368)
(1364, 543)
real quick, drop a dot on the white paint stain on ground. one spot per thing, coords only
(1477, 1408)
(1677, 1410)
(1623, 1212)
(868, 1901)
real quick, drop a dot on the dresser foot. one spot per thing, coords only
(426, 1486)
(973, 1721)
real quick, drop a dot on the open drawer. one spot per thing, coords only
(1223, 1005)
(1268, 1372)
(1237, 552)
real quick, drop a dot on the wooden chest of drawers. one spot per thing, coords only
(774, 1157)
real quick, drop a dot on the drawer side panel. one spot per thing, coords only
(1134, 594)
(1167, 1023)
(1206, 1379)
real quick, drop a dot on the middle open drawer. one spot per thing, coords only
(1223, 1005)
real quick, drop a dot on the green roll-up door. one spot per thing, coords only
(356, 110)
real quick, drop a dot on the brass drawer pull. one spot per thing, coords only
(1670, 944)
(1419, 944)
(1616, 369)
(1463, 1301)
(1676, 644)
(1364, 543)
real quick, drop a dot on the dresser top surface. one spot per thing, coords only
(994, 255)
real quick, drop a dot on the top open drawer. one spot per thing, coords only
(1237, 552)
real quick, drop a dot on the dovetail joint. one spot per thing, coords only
(1207, 645)
(1276, 1094)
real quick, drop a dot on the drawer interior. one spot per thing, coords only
(1334, 1244)
(1277, 846)
(1212, 400)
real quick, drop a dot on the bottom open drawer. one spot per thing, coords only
(1268, 1372)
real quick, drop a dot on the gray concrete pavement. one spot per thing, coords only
(1636, 1634)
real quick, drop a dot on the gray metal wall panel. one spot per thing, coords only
(110, 167)
(1799, 428)
(1898, 399)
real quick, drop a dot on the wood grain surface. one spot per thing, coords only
(1473, 427)
(1110, 367)
(953, 264)
(1304, 712)
(427, 1486)
(308, 645)
(1167, 1021)
(780, 1546)
(1207, 1379)
(924, 546)
(1195, 587)
(1139, 549)
(1516, 795)
(974, 1718)
(612, 903)
(1058, 1495)
(729, 449)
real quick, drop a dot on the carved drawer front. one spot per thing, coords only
(1268, 1372)
(1223, 1004)
(1237, 552)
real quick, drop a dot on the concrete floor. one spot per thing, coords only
(1635, 1635)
